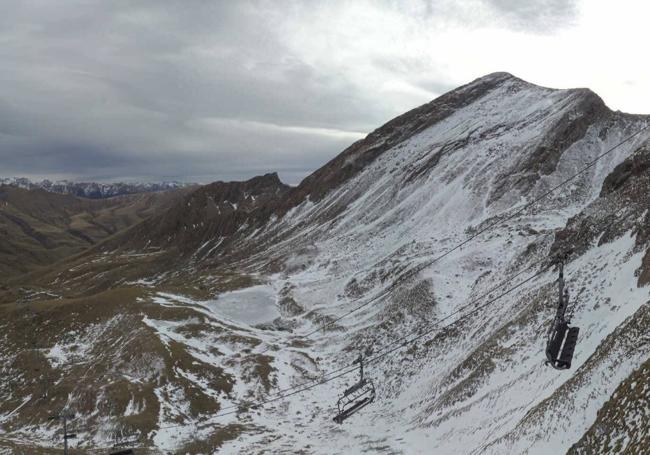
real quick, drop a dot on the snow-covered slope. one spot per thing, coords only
(379, 229)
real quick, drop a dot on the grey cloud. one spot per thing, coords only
(112, 90)
(109, 90)
(540, 15)
(242, 152)
(190, 59)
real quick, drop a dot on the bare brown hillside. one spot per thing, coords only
(38, 228)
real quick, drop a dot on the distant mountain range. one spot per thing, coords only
(93, 190)
(226, 318)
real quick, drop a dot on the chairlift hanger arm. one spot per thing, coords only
(562, 339)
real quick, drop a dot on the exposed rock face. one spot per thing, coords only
(636, 166)
(585, 110)
(588, 109)
(212, 212)
(622, 206)
(623, 423)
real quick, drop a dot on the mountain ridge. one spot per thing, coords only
(456, 197)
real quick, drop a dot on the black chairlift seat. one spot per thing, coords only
(560, 347)
(356, 397)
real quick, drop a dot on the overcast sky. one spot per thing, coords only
(225, 90)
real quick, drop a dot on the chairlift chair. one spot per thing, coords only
(562, 338)
(356, 397)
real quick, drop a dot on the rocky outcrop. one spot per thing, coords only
(622, 206)
(635, 167)
(212, 212)
(586, 110)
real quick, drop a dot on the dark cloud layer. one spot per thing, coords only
(540, 15)
(188, 90)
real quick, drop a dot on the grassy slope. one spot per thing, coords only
(73, 294)
(39, 228)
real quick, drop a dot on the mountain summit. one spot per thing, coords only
(424, 247)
